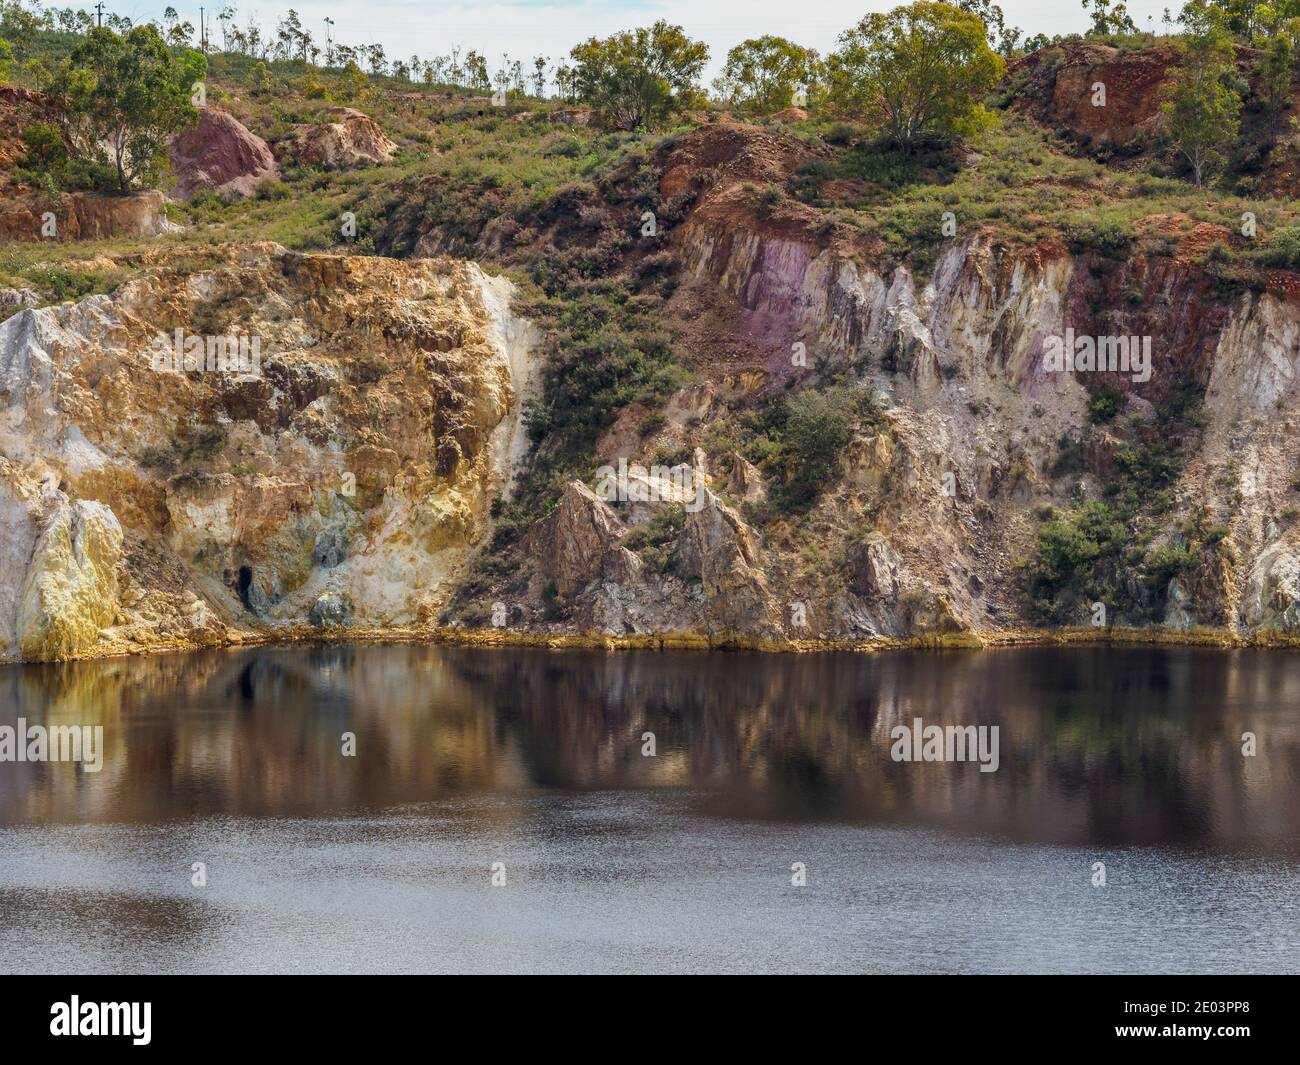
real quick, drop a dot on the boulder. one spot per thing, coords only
(719, 549)
(580, 543)
(221, 154)
(877, 570)
(331, 610)
(70, 593)
(934, 615)
(348, 138)
(18, 299)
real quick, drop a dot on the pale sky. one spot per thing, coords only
(524, 28)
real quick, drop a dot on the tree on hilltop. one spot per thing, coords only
(914, 73)
(1203, 109)
(639, 77)
(763, 74)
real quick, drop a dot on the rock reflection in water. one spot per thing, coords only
(318, 862)
(1106, 746)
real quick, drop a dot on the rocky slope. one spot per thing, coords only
(339, 475)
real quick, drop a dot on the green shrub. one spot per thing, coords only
(162, 459)
(768, 200)
(46, 154)
(553, 607)
(656, 540)
(1104, 405)
(1076, 557)
(270, 191)
(1108, 239)
(367, 369)
(815, 428)
(202, 444)
(566, 148)
(1283, 250)
(63, 283)
(882, 165)
(1089, 555)
(840, 134)
(1166, 563)
(652, 423)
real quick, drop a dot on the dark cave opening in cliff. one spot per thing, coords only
(245, 582)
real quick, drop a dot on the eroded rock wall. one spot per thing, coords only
(84, 216)
(335, 465)
(975, 423)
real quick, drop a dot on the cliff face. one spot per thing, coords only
(335, 465)
(935, 507)
(84, 216)
(346, 480)
(975, 422)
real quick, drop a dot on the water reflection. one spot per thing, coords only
(1099, 746)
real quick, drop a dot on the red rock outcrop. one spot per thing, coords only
(1062, 87)
(219, 154)
(1059, 88)
(19, 108)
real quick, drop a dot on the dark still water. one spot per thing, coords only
(613, 860)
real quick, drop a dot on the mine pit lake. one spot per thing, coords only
(531, 768)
